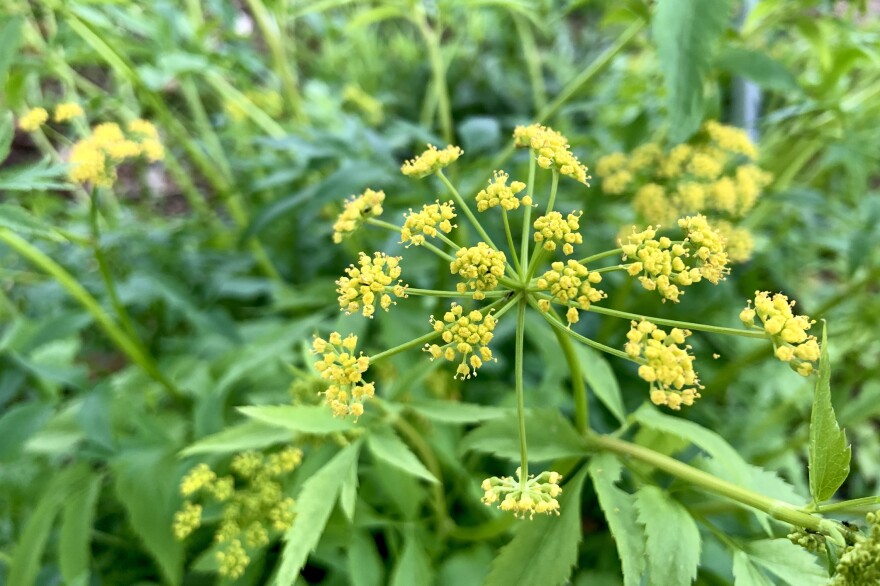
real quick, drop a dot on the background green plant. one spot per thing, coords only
(222, 260)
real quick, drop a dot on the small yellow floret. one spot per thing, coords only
(465, 338)
(344, 370)
(431, 161)
(551, 149)
(358, 209)
(67, 111)
(33, 119)
(374, 279)
(666, 364)
(481, 266)
(499, 193)
(553, 228)
(427, 222)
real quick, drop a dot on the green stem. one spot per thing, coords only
(611, 269)
(779, 510)
(845, 506)
(439, 293)
(678, 324)
(466, 209)
(533, 61)
(553, 186)
(556, 322)
(520, 391)
(600, 256)
(438, 71)
(509, 235)
(578, 388)
(75, 290)
(426, 244)
(527, 219)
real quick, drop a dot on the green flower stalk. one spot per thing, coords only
(492, 281)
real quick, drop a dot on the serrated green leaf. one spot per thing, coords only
(389, 448)
(414, 565)
(620, 512)
(686, 33)
(313, 507)
(75, 536)
(745, 573)
(314, 419)
(250, 435)
(549, 434)
(452, 412)
(20, 220)
(543, 550)
(41, 176)
(600, 378)
(146, 483)
(790, 563)
(672, 543)
(829, 454)
(365, 565)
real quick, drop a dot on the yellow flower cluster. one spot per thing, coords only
(464, 336)
(338, 364)
(570, 282)
(787, 331)
(253, 505)
(433, 217)
(33, 119)
(667, 364)
(551, 150)
(740, 242)
(481, 266)
(553, 228)
(356, 211)
(651, 201)
(375, 277)
(499, 193)
(731, 139)
(67, 111)
(536, 495)
(370, 106)
(664, 266)
(94, 158)
(860, 563)
(431, 161)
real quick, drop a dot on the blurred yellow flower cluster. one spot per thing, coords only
(344, 370)
(667, 364)
(253, 502)
(374, 278)
(715, 174)
(535, 494)
(787, 331)
(464, 335)
(356, 211)
(94, 158)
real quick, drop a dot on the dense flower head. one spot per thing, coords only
(344, 370)
(67, 111)
(667, 364)
(33, 119)
(88, 164)
(551, 150)
(570, 282)
(706, 164)
(706, 247)
(148, 137)
(644, 156)
(618, 182)
(750, 181)
(253, 504)
(433, 218)
(431, 161)
(357, 210)
(465, 337)
(611, 163)
(787, 331)
(499, 193)
(552, 228)
(651, 201)
(740, 242)
(731, 139)
(481, 266)
(524, 496)
(374, 279)
(94, 158)
(860, 563)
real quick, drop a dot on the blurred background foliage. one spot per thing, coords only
(272, 113)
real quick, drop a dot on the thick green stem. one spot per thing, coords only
(679, 324)
(853, 505)
(509, 235)
(779, 510)
(578, 388)
(75, 290)
(533, 61)
(438, 72)
(553, 187)
(520, 391)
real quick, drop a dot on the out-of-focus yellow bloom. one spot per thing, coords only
(730, 138)
(33, 119)
(667, 365)
(94, 158)
(652, 202)
(431, 161)
(481, 266)
(465, 337)
(67, 111)
(740, 242)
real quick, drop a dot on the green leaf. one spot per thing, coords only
(314, 419)
(7, 131)
(24, 564)
(758, 67)
(549, 434)
(736, 469)
(620, 512)
(414, 565)
(250, 435)
(41, 176)
(452, 412)
(348, 494)
(745, 573)
(146, 483)
(600, 378)
(829, 454)
(75, 537)
(313, 507)
(543, 550)
(672, 540)
(18, 424)
(365, 565)
(686, 33)
(389, 448)
(20, 220)
(790, 563)
(10, 39)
